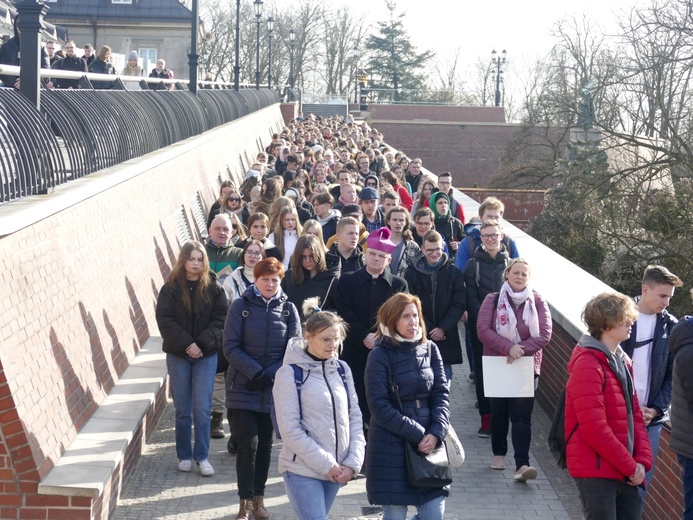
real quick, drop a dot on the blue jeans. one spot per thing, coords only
(606, 499)
(654, 432)
(431, 510)
(191, 382)
(311, 498)
(687, 466)
(447, 367)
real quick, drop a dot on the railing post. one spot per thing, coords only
(30, 23)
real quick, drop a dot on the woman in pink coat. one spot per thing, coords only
(514, 322)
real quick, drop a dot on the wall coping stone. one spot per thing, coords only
(98, 449)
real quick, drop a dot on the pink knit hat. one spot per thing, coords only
(379, 240)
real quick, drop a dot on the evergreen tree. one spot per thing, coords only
(394, 63)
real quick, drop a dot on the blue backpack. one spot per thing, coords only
(298, 379)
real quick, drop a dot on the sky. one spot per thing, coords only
(523, 28)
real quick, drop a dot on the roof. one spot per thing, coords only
(138, 10)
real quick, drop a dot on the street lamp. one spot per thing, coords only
(497, 62)
(355, 55)
(270, 28)
(292, 42)
(236, 63)
(258, 14)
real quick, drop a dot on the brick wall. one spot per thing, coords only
(520, 205)
(78, 295)
(472, 152)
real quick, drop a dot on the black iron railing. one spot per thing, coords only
(81, 131)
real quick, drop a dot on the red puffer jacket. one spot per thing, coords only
(595, 401)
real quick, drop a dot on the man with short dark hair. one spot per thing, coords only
(413, 175)
(433, 277)
(88, 55)
(445, 186)
(71, 62)
(373, 217)
(648, 347)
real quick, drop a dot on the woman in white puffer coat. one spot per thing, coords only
(319, 419)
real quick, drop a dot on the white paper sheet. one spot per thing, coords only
(508, 380)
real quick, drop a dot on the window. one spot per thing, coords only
(148, 59)
(121, 1)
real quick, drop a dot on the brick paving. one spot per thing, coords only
(156, 490)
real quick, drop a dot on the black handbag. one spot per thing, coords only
(426, 471)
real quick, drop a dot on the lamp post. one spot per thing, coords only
(496, 63)
(292, 42)
(237, 63)
(270, 28)
(355, 55)
(258, 14)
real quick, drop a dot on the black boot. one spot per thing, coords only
(217, 429)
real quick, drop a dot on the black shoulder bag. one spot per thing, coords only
(426, 471)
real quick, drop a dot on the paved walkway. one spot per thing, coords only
(156, 490)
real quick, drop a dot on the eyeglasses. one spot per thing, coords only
(329, 341)
(433, 251)
(492, 236)
(253, 253)
(234, 199)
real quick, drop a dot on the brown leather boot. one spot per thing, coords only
(245, 511)
(259, 507)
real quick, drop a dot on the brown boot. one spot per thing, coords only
(245, 511)
(259, 507)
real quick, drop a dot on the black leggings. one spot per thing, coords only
(253, 432)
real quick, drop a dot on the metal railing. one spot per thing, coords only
(80, 131)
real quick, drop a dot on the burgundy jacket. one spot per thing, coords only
(497, 345)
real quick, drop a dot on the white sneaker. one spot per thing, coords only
(185, 465)
(206, 469)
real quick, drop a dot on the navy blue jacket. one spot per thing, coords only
(681, 344)
(661, 364)
(419, 378)
(255, 343)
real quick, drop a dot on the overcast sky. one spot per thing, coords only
(523, 28)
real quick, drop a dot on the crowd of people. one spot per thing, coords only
(318, 292)
(68, 58)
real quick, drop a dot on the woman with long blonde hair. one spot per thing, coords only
(286, 232)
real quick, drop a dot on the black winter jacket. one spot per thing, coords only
(424, 395)
(101, 67)
(681, 344)
(179, 328)
(256, 343)
(442, 301)
(69, 63)
(316, 286)
(358, 298)
(482, 276)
